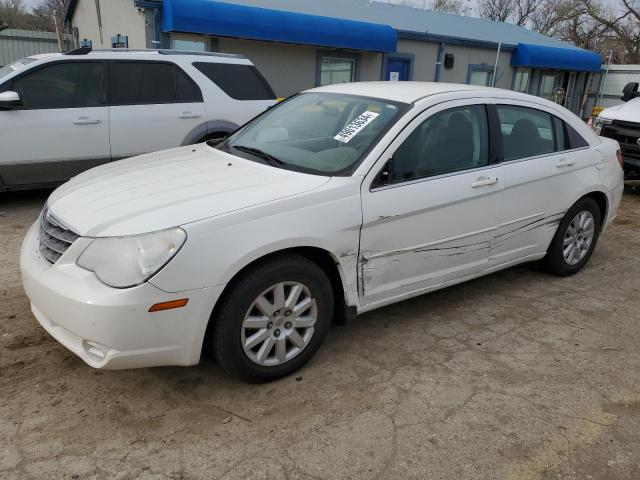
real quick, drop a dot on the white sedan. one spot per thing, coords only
(338, 201)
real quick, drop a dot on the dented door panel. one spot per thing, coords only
(416, 236)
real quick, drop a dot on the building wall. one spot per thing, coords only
(465, 56)
(425, 55)
(118, 16)
(17, 44)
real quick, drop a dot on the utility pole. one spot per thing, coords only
(56, 23)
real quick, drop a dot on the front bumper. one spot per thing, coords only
(107, 327)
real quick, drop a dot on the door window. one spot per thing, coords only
(62, 85)
(448, 141)
(526, 132)
(547, 84)
(144, 83)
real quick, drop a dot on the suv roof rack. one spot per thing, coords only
(159, 51)
(78, 51)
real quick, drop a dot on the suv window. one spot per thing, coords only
(62, 85)
(242, 82)
(526, 132)
(145, 83)
(448, 141)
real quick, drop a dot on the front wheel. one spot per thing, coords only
(575, 239)
(273, 319)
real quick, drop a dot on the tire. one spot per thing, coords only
(246, 305)
(555, 261)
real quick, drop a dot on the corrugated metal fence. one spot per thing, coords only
(16, 44)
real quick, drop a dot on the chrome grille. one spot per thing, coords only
(54, 238)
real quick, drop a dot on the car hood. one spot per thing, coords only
(628, 111)
(170, 188)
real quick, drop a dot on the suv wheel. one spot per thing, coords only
(575, 239)
(274, 318)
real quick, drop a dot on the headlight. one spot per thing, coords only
(598, 123)
(124, 262)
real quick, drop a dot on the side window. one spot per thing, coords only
(526, 132)
(448, 141)
(141, 83)
(242, 82)
(188, 91)
(146, 83)
(62, 85)
(577, 141)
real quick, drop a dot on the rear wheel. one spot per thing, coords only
(273, 319)
(575, 239)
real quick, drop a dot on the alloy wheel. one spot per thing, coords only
(578, 237)
(279, 324)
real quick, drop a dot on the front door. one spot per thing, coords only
(397, 69)
(430, 215)
(154, 106)
(61, 129)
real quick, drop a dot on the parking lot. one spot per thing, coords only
(518, 375)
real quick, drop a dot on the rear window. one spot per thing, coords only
(242, 82)
(144, 83)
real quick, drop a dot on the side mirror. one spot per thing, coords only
(9, 100)
(629, 92)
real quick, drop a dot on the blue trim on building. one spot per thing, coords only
(241, 21)
(527, 55)
(410, 57)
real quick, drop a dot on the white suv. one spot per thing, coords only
(61, 114)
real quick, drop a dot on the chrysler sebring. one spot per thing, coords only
(338, 201)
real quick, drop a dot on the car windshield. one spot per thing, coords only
(319, 133)
(17, 65)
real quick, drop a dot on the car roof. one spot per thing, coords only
(405, 92)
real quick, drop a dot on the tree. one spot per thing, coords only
(45, 11)
(448, 6)
(497, 10)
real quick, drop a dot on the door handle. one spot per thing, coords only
(189, 115)
(86, 121)
(483, 181)
(565, 162)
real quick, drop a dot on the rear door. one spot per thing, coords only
(61, 129)
(547, 166)
(154, 106)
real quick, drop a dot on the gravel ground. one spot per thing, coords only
(518, 375)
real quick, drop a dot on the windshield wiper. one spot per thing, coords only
(270, 159)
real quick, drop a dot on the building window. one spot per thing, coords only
(521, 80)
(336, 67)
(547, 84)
(190, 43)
(481, 75)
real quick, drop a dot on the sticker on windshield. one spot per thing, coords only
(356, 126)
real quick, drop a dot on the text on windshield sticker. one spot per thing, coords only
(358, 123)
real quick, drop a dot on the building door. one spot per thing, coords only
(397, 69)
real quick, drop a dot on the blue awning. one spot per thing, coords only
(527, 55)
(210, 17)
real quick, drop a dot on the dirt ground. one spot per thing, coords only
(518, 375)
